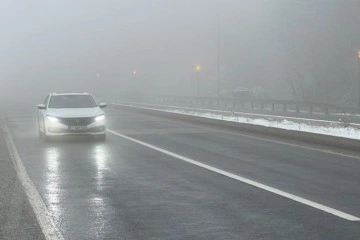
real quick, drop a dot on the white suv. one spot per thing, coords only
(71, 114)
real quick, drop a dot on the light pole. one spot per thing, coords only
(218, 52)
(197, 69)
(358, 63)
(97, 81)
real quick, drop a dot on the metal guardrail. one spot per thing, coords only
(250, 103)
(309, 137)
(237, 115)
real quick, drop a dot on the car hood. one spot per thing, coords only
(74, 112)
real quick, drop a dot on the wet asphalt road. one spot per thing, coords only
(17, 219)
(119, 189)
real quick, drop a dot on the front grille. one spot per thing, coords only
(81, 121)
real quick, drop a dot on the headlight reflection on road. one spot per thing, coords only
(100, 157)
(100, 221)
(52, 156)
(52, 181)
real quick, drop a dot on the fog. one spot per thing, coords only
(282, 49)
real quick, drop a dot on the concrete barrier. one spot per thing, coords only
(314, 138)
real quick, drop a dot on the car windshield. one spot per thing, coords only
(72, 101)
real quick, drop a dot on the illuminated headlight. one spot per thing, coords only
(52, 119)
(100, 118)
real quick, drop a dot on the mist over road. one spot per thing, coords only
(154, 177)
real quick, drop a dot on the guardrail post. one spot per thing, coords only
(326, 110)
(311, 109)
(284, 107)
(273, 106)
(297, 108)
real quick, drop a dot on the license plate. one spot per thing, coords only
(77, 127)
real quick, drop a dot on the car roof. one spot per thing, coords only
(70, 93)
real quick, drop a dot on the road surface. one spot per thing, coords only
(139, 185)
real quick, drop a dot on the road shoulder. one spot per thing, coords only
(17, 219)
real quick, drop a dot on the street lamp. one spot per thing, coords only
(197, 69)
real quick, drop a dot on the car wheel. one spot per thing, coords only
(44, 136)
(40, 133)
(101, 137)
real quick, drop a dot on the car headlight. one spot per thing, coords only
(100, 118)
(52, 119)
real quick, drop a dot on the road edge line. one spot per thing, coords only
(49, 229)
(273, 190)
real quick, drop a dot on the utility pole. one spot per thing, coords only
(358, 67)
(198, 83)
(218, 53)
(197, 68)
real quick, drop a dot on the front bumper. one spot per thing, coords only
(60, 129)
(90, 131)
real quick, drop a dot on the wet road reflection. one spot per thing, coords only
(100, 159)
(53, 179)
(62, 172)
(97, 203)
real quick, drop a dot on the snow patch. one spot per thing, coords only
(337, 131)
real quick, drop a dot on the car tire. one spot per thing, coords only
(101, 137)
(46, 138)
(43, 134)
(40, 134)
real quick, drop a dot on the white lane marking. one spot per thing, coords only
(244, 180)
(328, 151)
(49, 229)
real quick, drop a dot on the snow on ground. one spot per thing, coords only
(283, 124)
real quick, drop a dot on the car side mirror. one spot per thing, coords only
(102, 105)
(41, 106)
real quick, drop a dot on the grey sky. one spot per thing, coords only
(63, 45)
